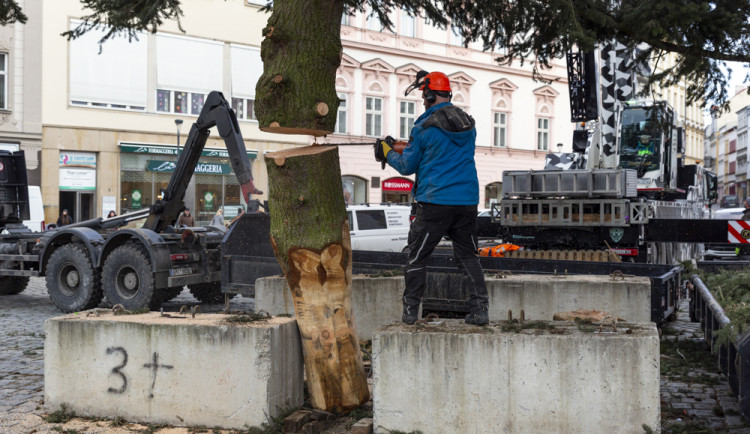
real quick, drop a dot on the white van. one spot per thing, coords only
(382, 228)
(36, 210)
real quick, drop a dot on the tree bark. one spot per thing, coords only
(310, 238)
(301, 51)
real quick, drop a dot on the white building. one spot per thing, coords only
(108, 118)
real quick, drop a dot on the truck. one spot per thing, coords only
(133, 267)
(624, 188)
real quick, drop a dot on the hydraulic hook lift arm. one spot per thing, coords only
(216, 112)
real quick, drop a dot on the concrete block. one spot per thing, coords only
(376, 301)
(452, 377)
(541, 296)
(181, 371)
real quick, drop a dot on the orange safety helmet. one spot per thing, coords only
(431, 81)
(436, 81)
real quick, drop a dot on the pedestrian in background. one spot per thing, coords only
(185, 219)
(111, 214)
(218, 219)
(64, 219)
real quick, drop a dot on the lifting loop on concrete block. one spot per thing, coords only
(430, 319)
(118, 309)
(194, 310)
(619, 274)
(560, 275)
(94, 312)
(183, 309)
(503, 274)
(261, 312)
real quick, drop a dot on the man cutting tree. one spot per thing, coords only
(441, 153)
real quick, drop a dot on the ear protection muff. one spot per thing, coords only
(429, 94)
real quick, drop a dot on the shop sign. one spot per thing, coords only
(77, 159)
(72, 178)
(172, 150)
(397, 184)
(202, 168)
(135, 199)
(208, 201)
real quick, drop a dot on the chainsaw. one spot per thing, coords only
(397, 146)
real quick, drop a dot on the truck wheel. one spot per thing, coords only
(12, 285)
(127, 278)
(73, 283)
(209, 293)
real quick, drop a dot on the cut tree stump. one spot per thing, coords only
(310, 238)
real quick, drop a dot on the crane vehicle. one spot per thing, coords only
(624, 180)
(135, 267)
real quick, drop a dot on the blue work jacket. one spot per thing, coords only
(441, 153)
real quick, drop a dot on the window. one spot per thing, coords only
(457, 37)
(115, 78)
(181, 87)
(3, 81)
(341, 126)
(407, 117)
(247, 68)
(408, 25)
(345, 18)
(500, 128)
(355, 189)
(369, 220)
(373, 116)
(542, 134)
(373, 23)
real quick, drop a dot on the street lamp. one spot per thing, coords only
(178, 124)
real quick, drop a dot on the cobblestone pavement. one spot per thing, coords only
(703, 405)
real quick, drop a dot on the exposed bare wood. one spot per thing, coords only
(310, 237)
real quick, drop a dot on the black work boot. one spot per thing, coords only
(410, 314)
(481, 317)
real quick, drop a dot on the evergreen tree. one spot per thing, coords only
(705, 34)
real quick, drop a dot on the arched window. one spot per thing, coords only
(355, 189)
(493, 192)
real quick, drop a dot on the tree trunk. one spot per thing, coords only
(310, 238)
(297, 92)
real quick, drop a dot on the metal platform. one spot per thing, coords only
(572, 212)
(594, 183)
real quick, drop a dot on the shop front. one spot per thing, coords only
(397, 190)
(146, 170)
(78, 184)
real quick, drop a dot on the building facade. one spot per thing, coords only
(20, 90)
(108, 117)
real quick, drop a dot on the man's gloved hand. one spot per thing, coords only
(382, 148)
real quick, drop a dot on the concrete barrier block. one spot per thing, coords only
(454, 377)
(541, 296)
(376, 301)
(182, 371)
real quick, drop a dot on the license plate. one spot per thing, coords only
(180, 271)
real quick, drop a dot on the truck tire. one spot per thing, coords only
(73, 283)
(12, 285)
(209, 293)
(128, 280)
